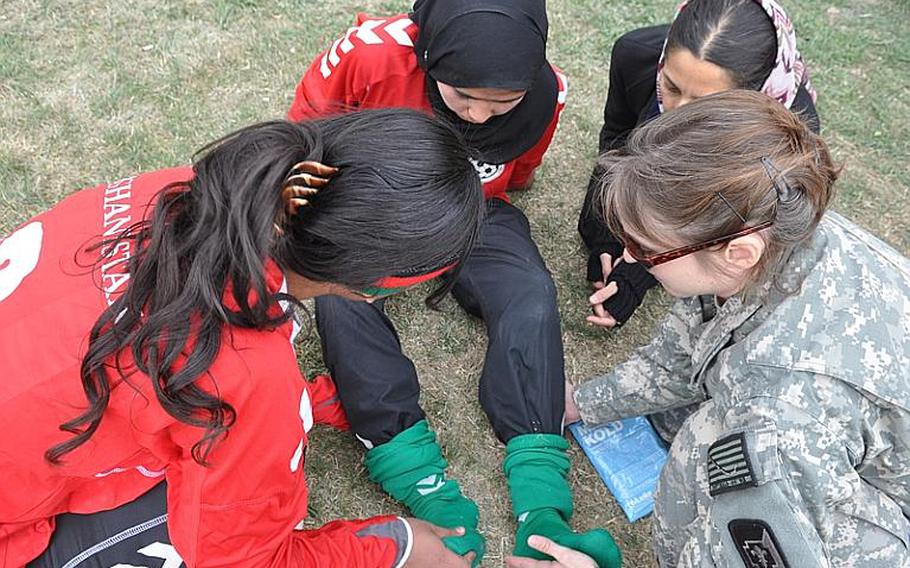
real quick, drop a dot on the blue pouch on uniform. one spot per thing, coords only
(628, 454)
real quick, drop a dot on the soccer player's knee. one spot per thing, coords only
(538, 285)
(336, 313)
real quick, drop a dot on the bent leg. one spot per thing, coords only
(505, 282)
(376, 382)
(378, 388)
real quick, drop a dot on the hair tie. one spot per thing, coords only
(303, 182)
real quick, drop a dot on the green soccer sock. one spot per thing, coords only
(536, 466)
(410, 468)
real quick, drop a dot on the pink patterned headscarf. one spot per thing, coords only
(789, 71)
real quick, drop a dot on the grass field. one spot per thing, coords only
(91, 91)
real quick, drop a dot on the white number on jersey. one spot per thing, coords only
(306, 416)
(19, 254)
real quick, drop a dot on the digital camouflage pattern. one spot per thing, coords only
(817, 383)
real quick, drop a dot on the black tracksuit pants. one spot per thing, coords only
(504, 282)
(134, 534)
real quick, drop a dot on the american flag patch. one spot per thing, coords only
(729, 468)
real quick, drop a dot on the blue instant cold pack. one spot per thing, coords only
(628, 454)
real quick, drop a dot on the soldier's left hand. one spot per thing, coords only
(565, 557)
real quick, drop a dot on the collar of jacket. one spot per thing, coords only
(718, 332)
(743, 313)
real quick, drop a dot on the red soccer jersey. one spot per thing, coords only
(240, 511)
(373, 65)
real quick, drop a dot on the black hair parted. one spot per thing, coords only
(406, 199)
(736, 35)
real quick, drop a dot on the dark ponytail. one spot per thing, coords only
(736, 35)
(406, 199)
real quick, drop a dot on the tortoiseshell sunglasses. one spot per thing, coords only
(652, 260)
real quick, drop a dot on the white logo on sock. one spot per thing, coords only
(430, 484)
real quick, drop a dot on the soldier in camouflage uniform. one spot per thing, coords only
(791, 339)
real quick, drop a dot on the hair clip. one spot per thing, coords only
(730, 206)
(785, 193)
(303, 182)
(818, 156)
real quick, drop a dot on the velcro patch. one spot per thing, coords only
(729, 468)
(756, 544)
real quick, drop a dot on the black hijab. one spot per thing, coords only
(499, 44)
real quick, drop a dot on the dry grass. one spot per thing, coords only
(91, 91)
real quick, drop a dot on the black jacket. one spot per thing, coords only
(631, 101)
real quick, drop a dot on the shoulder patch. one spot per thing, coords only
(729, 468)
(756, 544)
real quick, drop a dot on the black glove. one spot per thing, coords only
(632, 281)
(595, 269)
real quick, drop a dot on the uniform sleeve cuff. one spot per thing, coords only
(592, 413)
(403, 558)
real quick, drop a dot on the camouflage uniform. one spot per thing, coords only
(799, 453)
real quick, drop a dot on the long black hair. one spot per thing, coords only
(406, 199)
(736, 35)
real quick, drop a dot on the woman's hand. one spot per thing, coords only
(572, 413)
(428, 550)
(604, 291)
(565, 557)
(606, 266)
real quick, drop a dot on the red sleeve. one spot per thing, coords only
(528, 162)
(356, 544)
(372, 65)
(327, 407)
(242, 509)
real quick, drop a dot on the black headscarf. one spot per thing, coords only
(498, 44)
